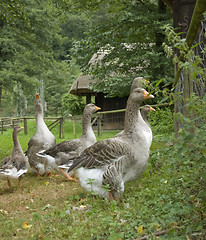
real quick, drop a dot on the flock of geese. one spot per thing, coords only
(103, 167)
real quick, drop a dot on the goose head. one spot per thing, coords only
(139, 82)
(139, 95)
(18, 129)
(147, 108)
(90, 109)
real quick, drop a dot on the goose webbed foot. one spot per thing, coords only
(49, 174)
(68, 177)
(38, 174)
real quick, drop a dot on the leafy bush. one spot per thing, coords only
(187, 157)
(72, 104)
(161, 121)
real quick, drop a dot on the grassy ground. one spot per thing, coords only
(53, 208)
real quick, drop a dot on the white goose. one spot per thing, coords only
(117, 160)
(14, 166)
(62, 152)
(42, 140)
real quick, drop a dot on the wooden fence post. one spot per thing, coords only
(13, 123)
(74, 127)
(25, 126)
(60, 127)
(99, 125)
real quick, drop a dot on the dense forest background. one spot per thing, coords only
(44, 46)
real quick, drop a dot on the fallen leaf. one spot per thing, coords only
(25, 225)
(140, 229)
(46, 183)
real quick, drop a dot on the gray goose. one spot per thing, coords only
(42, 140)
(62, 152)
(138, 82)
(144, 111)
(117, 160)
(15, 165)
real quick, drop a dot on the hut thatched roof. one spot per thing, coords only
(81, 85)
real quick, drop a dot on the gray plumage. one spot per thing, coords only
(117, 160)
(144, 111)
(61, 153)
(15, 165)
(138, 82)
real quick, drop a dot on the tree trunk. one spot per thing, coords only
(189, 26)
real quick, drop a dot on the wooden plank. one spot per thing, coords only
(60, 128)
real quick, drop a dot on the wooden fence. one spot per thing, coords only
(97, 119)
(11, 122)
(99, 116)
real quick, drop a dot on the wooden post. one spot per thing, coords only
(74, 128)
(60, 127)
(25, 126)
(99, 125)
(13, 123)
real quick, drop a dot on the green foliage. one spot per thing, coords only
(161, 121)
(33, 50)
(121, 31)
(72, 104)
(114, 86)
(190, 60)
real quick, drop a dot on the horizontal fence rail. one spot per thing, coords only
(97, 120)
(12, 122)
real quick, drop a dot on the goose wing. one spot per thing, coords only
(102, 153)
(15, 167)
(5, 161)
(64, 147)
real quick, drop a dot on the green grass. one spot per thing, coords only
(54, 208)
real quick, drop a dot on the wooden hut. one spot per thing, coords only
(82, 87)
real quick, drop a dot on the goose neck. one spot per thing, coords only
(17, 146)
(131, 116)
(86, 123)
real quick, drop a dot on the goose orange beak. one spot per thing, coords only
(97, 108)
(146, 81)
(21, 127)
(152, 109)
(37, 96)
(146, 95)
